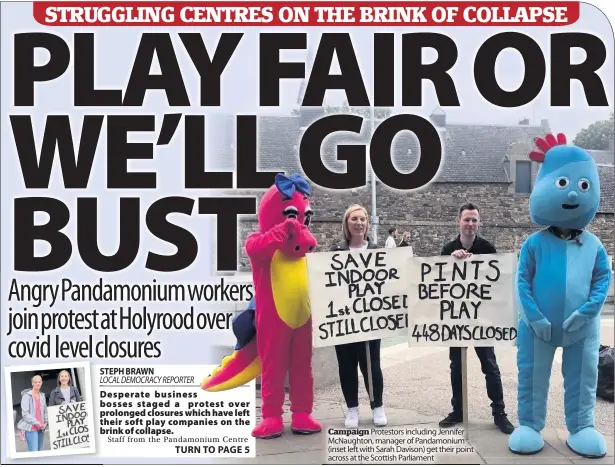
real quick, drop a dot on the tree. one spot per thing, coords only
(596, 136)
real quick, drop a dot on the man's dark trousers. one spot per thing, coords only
(490, 368)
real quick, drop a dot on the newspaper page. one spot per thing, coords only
(218, 217)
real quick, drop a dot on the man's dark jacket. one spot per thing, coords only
(479, 247)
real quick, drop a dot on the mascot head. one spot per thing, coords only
(567, 189)
(288, 198)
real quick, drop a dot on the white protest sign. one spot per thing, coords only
(68, 426)
(358, 295)
(462, 303)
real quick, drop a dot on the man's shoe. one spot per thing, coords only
(451, 419)
(503, 424)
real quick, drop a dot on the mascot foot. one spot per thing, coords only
(269, 428)
(587, 443)
(304, 424)
(525, 440)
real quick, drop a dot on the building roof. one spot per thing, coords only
(471, 153)
(475, 153)
(602, 157)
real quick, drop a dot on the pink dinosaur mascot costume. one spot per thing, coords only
(283, 340)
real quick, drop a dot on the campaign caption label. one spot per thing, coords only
(402, 445)
(358, 295)
(462, 303)
(161, 411)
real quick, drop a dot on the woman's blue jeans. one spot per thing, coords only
(35, 440)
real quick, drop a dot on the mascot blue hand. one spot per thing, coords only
(574, 322)
(542, 329)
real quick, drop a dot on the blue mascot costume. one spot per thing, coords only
(562, 282)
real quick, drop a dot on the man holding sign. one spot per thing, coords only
(462, 247)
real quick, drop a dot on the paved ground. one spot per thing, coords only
(417, 395)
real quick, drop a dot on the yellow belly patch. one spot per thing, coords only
(289, 284)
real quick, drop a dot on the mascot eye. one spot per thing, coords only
(561, 182)
(308, 216)
(290, 212)
(584, 185)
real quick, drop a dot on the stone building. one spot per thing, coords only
(486, 164)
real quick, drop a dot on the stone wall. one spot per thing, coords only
(431, 216)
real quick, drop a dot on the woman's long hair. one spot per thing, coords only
(350, 210)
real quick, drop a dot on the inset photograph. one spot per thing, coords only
(52, 410)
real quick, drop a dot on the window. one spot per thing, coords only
(523, 177)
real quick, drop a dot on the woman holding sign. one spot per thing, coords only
(355, 228)
(33, 415)
(64, 392)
